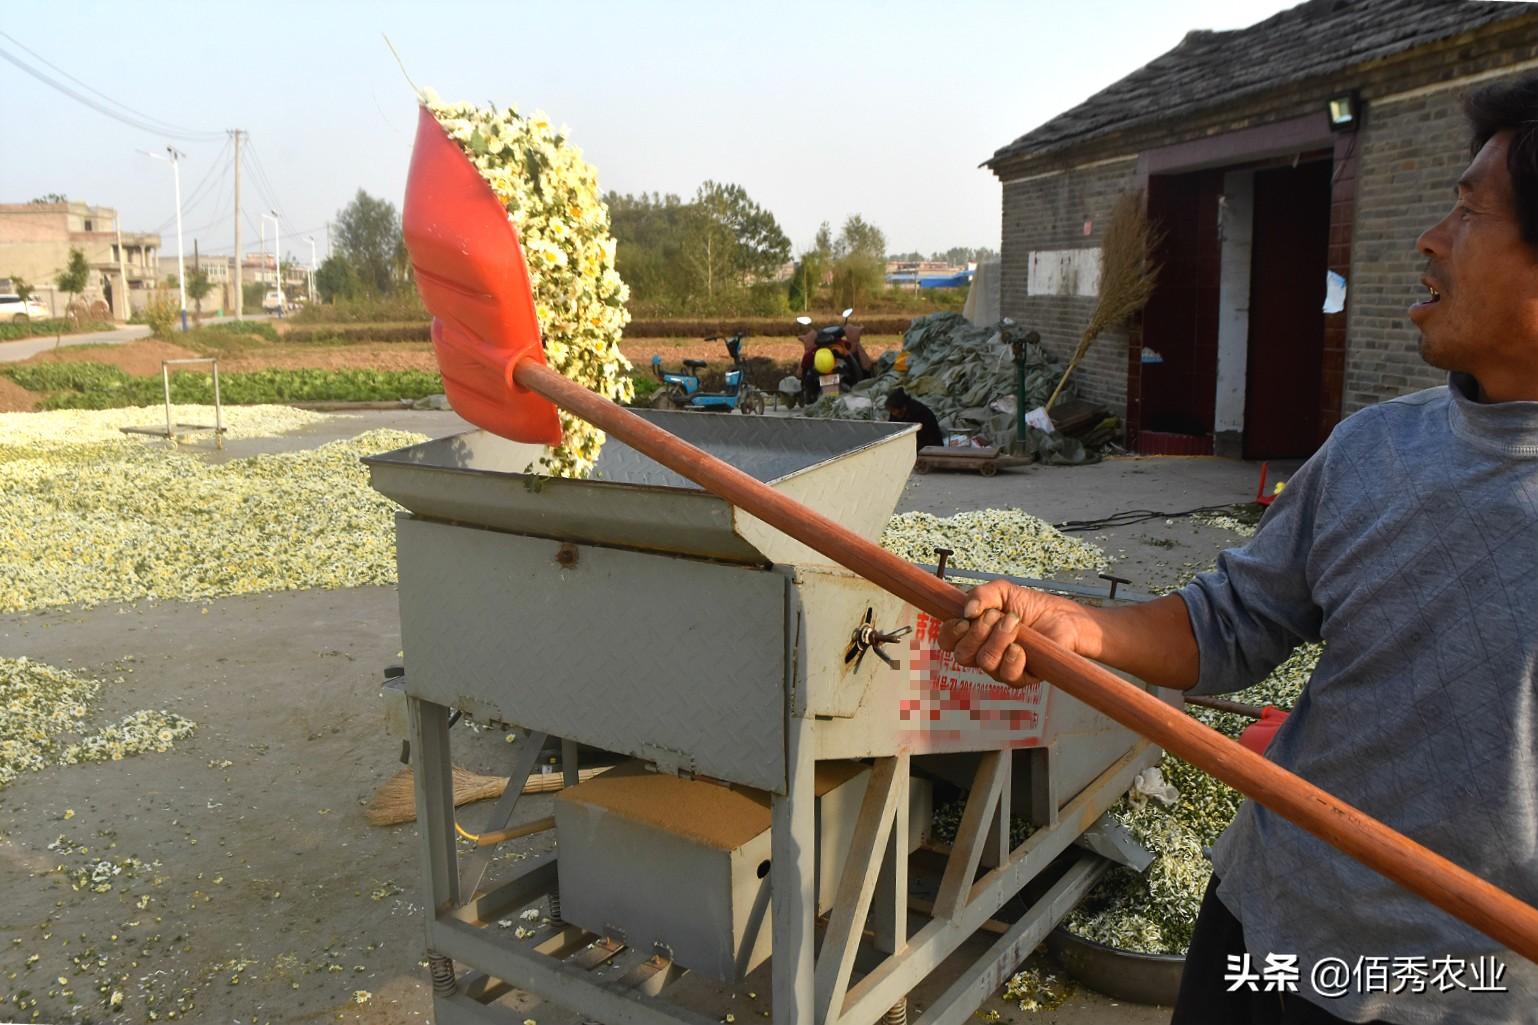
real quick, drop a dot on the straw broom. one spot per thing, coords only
(396, 802)
(1127, 276)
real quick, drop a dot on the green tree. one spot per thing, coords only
(700, 254)
(71, 280)
(758, 246)
(965, 254)
(336, 279)
(198, 287)
(21, 288)
(48, 199)
(862, 237)
(822, 243)
(368, 234)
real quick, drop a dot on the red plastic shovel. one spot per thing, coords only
(469, 267)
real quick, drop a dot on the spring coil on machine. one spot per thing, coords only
(441, 969)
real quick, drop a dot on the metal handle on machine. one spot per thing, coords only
(1450, 887)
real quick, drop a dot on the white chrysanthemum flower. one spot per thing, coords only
(552, 200)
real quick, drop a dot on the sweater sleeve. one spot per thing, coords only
(1257, 604)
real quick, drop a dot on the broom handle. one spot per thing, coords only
(1078, 354)
(1455, 890)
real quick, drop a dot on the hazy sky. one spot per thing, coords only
(818, 109)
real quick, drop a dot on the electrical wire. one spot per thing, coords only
(257, 186)
(133, 118)
(1132, 516)
(259, 176)
(196, 196)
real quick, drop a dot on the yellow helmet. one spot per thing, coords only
(823, 361)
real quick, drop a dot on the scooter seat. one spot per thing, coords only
(696, 363)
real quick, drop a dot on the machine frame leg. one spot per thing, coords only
(793, 879)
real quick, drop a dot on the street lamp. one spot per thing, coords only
(181, 268)
(311, 240)
(277, 255)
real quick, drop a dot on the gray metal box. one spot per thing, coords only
(684, 864)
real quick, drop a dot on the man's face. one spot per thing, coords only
(1480, 315)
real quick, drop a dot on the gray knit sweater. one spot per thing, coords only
(1409, 545)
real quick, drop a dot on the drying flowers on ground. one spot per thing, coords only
(552, 199)
(1154, 912)
(125, 519)
(22, 433)
(41, 707)
(990, 541)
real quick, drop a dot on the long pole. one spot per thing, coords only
(1450, 887)
(240, 295)
(277, 258)
(181, 264)
(122, 271)
(311, 240)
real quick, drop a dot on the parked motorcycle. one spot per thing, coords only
(831, 360)
(682, 390)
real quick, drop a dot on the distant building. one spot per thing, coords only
(36, 238)
(929, 273)
(262, 268)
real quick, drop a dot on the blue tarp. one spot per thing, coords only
(961, 280)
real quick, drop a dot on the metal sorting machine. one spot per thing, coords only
(783, 742)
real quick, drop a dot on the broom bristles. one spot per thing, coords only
(396, 801)
(1128, 275)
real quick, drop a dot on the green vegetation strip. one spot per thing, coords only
(49, 328)
(101, 386)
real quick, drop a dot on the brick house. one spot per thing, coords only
(1230, 138)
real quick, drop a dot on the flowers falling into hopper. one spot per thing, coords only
(552, 200)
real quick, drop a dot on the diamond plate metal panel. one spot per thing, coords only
(673, 660)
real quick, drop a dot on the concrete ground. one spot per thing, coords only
(261, 894)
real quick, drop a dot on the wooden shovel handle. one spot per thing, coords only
(1453, 889)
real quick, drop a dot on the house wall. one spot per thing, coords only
(1048, 213)
(1394, 179)
(1412, 152)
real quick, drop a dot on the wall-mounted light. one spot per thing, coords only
(1345, 112)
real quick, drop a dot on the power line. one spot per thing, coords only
(133, 118)
(257, 182)
(259, 174)
(289, 236)
(197, 195)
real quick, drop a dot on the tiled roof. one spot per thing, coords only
(1210, 68)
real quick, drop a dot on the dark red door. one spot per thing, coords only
(1286, 346)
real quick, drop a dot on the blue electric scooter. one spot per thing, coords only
(682, 391)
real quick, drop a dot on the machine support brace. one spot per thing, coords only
(872, 829)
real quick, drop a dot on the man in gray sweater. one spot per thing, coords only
(1409, 545)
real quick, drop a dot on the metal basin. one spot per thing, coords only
(1123, 974)
(850, 471)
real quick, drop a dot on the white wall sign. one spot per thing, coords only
(1069, 272)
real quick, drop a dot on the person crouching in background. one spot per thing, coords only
(904, 408)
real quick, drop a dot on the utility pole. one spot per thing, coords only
(181, 266)
(311, 240)
(277, 253)
(240, 295)
(122, 271)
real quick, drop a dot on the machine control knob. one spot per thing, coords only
(869, 637)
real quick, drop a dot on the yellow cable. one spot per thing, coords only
(468, 836)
